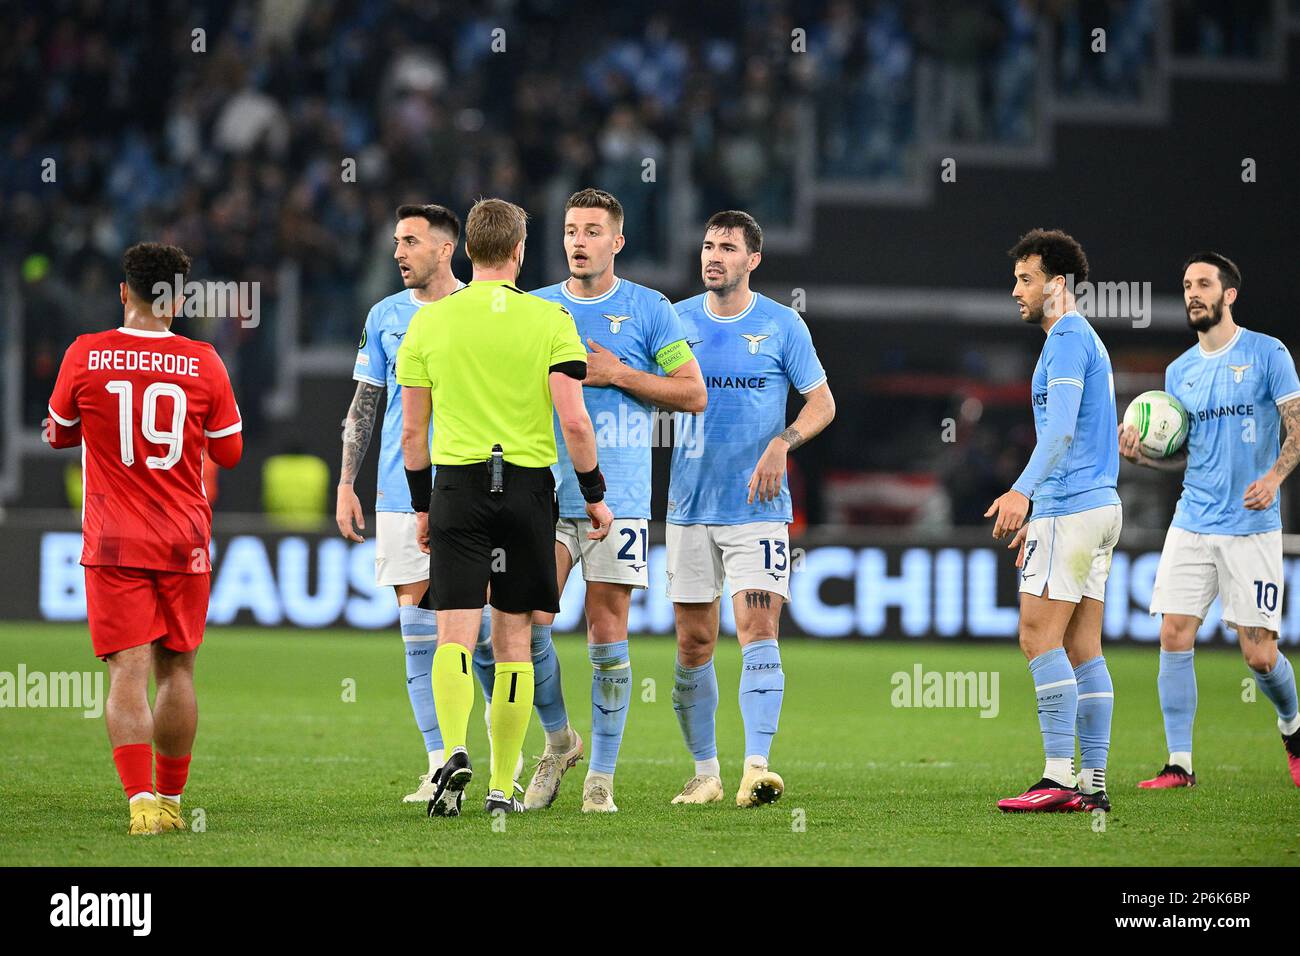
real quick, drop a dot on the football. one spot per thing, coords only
(1161, 422)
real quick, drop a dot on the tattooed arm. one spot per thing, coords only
(1261, 492)
(1290, 455)
(816, 414)
(357, 428)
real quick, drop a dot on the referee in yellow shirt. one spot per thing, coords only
(491, 362)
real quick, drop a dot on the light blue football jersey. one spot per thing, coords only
(750, 361)
(1074, 357)
(376, 363)
(634, 323)
(1234, 428)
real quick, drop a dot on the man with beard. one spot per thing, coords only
(424, 241)
(1065, 550)
(1226, 537)
(729, 505)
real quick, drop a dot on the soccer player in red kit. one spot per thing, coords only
(146, 406)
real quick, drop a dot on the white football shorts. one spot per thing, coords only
(751, 557)
(398, 558)
(1245, 570)
(1070, 555)
(617, 558)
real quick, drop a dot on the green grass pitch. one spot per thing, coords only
(287, 772)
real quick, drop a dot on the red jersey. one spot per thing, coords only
(146, 404)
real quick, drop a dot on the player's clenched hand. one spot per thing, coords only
(422, 530)
(765, 482)
(348, 514)
(1261, 492)
(603, 367)
(1008, 513)
(601, 519)
(1130, 444)
(1019, 542)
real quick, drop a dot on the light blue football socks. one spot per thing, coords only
(1278, 686)
(611, 692)
(420, 640)
(1057, 694)
(548, 697)
(1176, 683)
(1095, 708)
(762, 686)
(695, 702)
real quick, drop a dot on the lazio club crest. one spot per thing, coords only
(1238, 372)
(615, 321)
(753, 341)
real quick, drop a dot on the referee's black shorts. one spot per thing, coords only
(507, 539)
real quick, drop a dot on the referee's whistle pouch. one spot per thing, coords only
(496, 471)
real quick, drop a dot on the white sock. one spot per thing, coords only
(1288, 727)
(141, 795)
(708, 768)
(1092, 779)
(559, 741)
(166, 796)
(436, 759)
(1060, 769)
(1182, 759)
(753, 760)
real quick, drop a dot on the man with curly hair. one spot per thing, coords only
(147, 405)
(1065, 548)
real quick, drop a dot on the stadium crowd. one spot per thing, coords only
(227, 131)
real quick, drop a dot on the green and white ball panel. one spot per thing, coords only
(1161, 423)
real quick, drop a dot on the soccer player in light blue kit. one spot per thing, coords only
(1065, 549)
(729, 501)
(1226, 537)
(424, 242)
(638, 359)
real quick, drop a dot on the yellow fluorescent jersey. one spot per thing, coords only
(485, 353)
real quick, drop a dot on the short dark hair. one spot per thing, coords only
(597, 199)
(1060, 252)
(148, 263)
(439, 217)
(730, 219)
(1229, 274)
